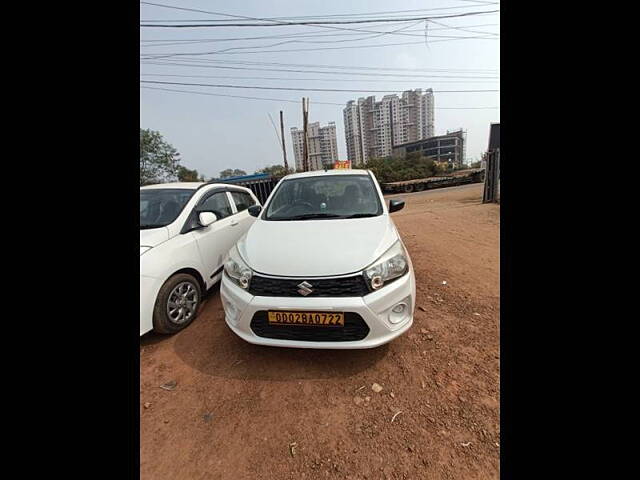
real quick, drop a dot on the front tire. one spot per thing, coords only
(177, 303)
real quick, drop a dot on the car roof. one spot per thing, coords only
(320, 173)
(182, 185)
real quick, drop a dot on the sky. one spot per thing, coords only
(213, 133)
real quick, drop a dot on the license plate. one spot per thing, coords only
(315, 319)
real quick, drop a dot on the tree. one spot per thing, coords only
(232, 173)
(158, 159)
(275, 171)
(186, 175)
(397, 168)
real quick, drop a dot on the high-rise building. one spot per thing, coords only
(372, 128)
(323, 146)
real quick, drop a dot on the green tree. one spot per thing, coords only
(159, 161)
(397, 168)
(186, 175)
(232, 173)
(275, 171)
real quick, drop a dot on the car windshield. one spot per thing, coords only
(160, 207)
(325, 197)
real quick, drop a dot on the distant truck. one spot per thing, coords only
(460, 177)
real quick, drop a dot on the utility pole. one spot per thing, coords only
(284, 150)
(391, 123)
(305, 144)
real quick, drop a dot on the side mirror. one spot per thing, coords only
(395, 205)
(207, 218)
(254, 210)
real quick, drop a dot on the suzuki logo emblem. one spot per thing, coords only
(304, 288)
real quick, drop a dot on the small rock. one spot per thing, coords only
(376, 388)
(424, 385)
(166, 421)
(497, 444)
(147, 404)
(444, 282)
(292, 448)
(422, 308)
(476, 314)
(392, 395)
(424, 330)
(429, 337)
(169, 385)
(462, 399)
(466, 444)
(410, 448)
(358, 400)
(367, 399)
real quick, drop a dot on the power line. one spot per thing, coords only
(311, 79)
(227, 52)
(172, 7)
(301, 17)
(179, 41)
(299, 89)
(490, 36)
(462, 29)
(276, 23)
(336, 67)
(294, 101)
(225, 67)
(313, 42)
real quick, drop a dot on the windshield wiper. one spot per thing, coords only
(310, 216)
(362, 215)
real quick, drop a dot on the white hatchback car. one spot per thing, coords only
(323, 266)
(186, 230)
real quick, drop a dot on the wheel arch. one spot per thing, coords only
(193, 272)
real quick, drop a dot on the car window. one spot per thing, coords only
(219, 204)
(242, 200)
(161, 206)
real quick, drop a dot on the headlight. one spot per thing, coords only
(237, 269)
(144, 249)
(392, 264)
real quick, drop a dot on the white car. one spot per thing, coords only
(186, 230)
(323, 266)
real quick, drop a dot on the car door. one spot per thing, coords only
(215, 240)
(242, 201)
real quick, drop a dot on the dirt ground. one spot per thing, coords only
(248, 412)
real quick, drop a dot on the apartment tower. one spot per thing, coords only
(373, 128)
(323, 146)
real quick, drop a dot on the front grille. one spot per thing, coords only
(354, 329)
(323, 287)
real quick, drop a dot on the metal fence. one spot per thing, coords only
(261, 185)
(492, 178)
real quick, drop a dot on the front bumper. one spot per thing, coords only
(374, 308)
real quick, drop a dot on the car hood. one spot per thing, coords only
(316, 248)
(153, 236)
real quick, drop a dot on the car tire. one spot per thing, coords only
(177, 303)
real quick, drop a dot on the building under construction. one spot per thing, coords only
(449, 148)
